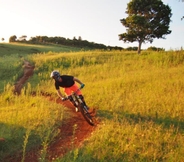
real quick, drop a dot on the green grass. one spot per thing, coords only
(139, 101)
(13, 54)
(24, 49)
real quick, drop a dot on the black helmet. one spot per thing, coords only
(55, 75)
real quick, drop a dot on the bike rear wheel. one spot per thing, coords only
(86, 114)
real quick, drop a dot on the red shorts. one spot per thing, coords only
(68, 91)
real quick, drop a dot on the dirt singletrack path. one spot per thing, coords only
(28, 72)
(67, 139)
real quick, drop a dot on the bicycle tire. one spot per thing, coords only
(86, 115)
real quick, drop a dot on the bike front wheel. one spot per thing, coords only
(86, 114)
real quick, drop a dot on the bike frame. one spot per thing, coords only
(82, 108)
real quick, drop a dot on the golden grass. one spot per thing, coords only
(139, 100)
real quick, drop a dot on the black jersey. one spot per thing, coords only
(67, 81)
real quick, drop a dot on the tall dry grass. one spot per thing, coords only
(139, 101)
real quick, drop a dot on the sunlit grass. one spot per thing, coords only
(11, 70)
(25, 49)
(27, 113)
(139, 102)
(126, 141)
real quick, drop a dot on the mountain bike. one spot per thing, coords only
(81, 107)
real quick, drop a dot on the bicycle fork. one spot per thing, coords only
(78, 101)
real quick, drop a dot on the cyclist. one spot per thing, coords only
(67, 82)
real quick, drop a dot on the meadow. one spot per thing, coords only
(139, 101)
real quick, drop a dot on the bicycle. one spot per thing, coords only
(81, 107)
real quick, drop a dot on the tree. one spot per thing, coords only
(147, 19)
(80, 38)
(22, 38)
(13, 38)
(2, 39)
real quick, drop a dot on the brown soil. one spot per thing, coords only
(28, 71)
(67, 138)
(2, 139)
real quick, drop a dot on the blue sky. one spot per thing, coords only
(94, 20)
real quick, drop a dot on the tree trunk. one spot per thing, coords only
(139, 47)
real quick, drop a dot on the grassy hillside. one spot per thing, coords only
(13, 54)
(24, 49)
(139, 100)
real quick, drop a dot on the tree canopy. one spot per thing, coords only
(147, 19)
(57, 40)
(13, 38)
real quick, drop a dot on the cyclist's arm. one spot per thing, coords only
(59, 93)
(77, 80)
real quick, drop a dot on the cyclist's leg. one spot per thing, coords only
(82, 98)
(75, 88)
(68, 92)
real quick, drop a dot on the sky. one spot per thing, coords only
(93, 20)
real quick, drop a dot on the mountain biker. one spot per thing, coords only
(68, 82)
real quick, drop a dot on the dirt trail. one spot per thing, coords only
(63, 143)
(28, 71)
